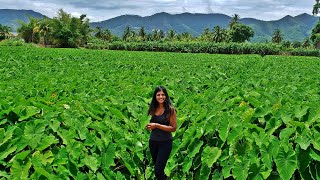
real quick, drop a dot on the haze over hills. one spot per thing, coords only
(295, 28)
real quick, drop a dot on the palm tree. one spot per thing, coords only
(277, 36)
(142, 34)
(219, 34)
(171, 34)
(235, 20)
(44, 30)
(316, 8)
(4, 32)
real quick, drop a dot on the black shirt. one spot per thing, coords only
(158, 134)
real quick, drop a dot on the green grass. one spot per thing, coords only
(81, 113)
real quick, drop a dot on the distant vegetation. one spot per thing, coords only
(67, 31)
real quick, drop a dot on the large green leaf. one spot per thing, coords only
(92, 162)
(20, 171)
(286, 163)
(28, 112)
(210, 155)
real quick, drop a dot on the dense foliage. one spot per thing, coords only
(208, 47)
(80, 114)
(61, 31)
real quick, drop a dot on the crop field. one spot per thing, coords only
(80, 114)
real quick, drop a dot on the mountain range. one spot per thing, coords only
(295, 28)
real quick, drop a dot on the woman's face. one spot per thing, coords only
(161, 97)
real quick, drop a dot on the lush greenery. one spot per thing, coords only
(61, 31)
(209, 47)
(80, 114)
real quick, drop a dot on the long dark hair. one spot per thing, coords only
(168, 106)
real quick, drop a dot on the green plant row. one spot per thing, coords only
(206, 47)
(80, 114)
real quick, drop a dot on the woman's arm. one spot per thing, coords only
(170, 128)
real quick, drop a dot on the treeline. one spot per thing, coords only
(68, 31)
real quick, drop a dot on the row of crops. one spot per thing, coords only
(80, 114)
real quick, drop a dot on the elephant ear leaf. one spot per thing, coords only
(210, 155)
(28, 112)
(286, 163)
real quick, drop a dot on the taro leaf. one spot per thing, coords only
(34, 132)
(8, 151)
(46, 142)
(100, 176)
(205, 172)
(188, 136)
(60, 156)
(286, 163)
(223, 129)
(316, 140)
(128, 162)
(186, 165)
(266, 156)
(303, 140)
(107, 156)
(315, 155)
(313, 117)
(109, 174)
(20, 156)
(314, 170)
(301, 111)
(28, 112)
(92, 162)
(304, 158)
(20, 170)
(195, 149)
(6, 135)
(117, 113)
(240, 170)
(210, 155)
(247, 115)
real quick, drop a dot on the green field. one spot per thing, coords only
(80, 114)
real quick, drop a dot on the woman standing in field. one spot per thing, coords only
(162, 123)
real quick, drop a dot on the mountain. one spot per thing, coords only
(293, 28)
(11, 17)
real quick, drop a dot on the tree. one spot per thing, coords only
(104, 34)
(29, 32)
(316, 8)
(128, 34)
(142, 34)
(315, 35)
(241, 33)
(70, 31)
(5, 32)
(171, 34)
(234, 20)
(306, 43)
(206, 35)
(219, 34)
(277, 36)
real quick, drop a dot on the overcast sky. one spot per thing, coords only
(99, 10)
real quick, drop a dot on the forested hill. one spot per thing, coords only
(293, 28)
(11, 17)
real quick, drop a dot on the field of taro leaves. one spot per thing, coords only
(80, 114)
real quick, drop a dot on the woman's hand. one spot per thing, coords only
(151, 126)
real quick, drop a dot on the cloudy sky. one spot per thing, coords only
(99, 10)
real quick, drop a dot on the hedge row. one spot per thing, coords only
(206, 47)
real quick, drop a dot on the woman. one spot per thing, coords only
(162, 123)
